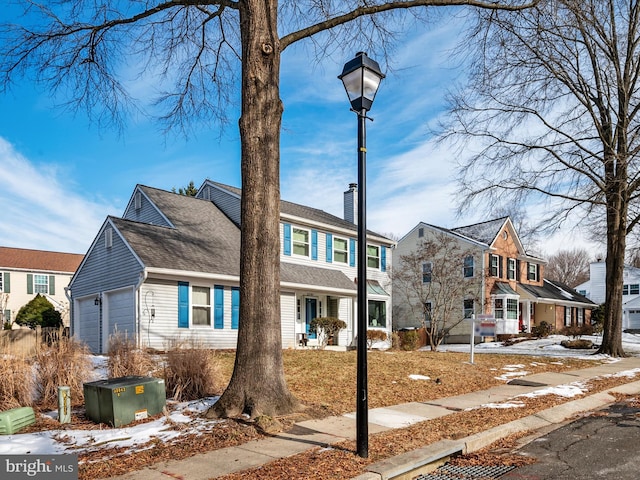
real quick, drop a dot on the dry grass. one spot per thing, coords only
(66, 362)
(125, 359)
(16, 383)
(192, 372)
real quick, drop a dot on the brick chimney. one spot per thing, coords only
(351, 204)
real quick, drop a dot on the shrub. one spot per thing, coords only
(66, 362)
(396, 341)
(191, 372)
(125, 359)
(410, 340)
(327, 327)
(597, 318)
(578, 344)
(577, 330)
(39, 312)
(374, 336)
(543, 329)
(16, 383)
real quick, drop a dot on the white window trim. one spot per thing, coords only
(511, 268)
(44, 284)
(294, 242)
(493, 257)
(377, 247)
(198, 305)
(346, 250)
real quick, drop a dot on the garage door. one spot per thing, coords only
(634, 320)
(87, 323)
(120, 311)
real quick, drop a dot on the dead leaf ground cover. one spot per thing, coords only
(325, 382)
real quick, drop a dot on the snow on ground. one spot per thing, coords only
(185, 417)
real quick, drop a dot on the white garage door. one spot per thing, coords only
(87, 323)
(634, 320)
(120, 311)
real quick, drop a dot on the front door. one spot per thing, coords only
(311, 310)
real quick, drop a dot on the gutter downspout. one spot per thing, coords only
(138, 293)
(67, 293)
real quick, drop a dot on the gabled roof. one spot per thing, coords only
(484, 232)
(556, 291)
(203, 240)
(39, 260)
(304, 212)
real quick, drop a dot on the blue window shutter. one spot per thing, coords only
(383, 258)
(6, 285)
(218, 306)
(235, 307)
(287, 239)
(314, 244)
(183, 304)
(352, 252)
(29, 283)
(329, 248)
(52, 285)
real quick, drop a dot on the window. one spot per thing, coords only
(427, 268)
(468, 308)
(567, 316)
(137, 201)
(201, 305)
(1, 284)
(580, 316)
(41, 284)
(377, 313)
(532, 272)
(301, 242)
(512, 308)
(625, 289)
(494, 265)
(428, 308)
(468, 266)
(511, 268)
(108, 238)
(340, 250)
(584, 292)
(634, 289)
(420, 232)
(373, 256)
(498, 308)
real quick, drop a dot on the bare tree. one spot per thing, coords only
(569, 267)
(203, 53)
(552, 108)
(432, 287)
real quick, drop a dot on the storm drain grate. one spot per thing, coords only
(474, 472)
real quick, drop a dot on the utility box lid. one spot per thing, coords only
(120, 401)
(15, 419)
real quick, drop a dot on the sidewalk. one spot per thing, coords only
(322, 433)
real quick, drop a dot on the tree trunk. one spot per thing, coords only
(258, 386)
(616, 244)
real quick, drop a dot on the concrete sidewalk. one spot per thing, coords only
(322, 433)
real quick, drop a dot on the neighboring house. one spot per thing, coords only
(512, 284)
(25, 273)
(595, 289)
(169, 270)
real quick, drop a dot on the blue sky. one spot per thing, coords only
(62, 175)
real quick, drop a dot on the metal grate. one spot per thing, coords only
(474, 472)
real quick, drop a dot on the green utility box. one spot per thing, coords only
(13, 420)
(120, 401)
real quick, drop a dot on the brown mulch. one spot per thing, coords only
(325, 382)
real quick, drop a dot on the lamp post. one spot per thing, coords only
(361, 78)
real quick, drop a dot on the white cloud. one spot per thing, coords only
(41, 209)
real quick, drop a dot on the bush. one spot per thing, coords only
(326, 327)
(66, 362)
(374, 336)
(191, 372)
(39, 312)
(16, 383)
(396, 341)
(543, 329)
(410, 340)
(577, 330)
(125, 359)
(578, 344)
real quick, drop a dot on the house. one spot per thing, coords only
(169, 268)
(501, 280)
(595, 289)
(25, 273)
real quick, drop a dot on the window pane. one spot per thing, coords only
(512, 308)
(340, 254)
(373, 257)
(377, 313)
(200, 295)
(201, 316)
(41, 284)
(301, 242)
(468, 266)
(468, 308)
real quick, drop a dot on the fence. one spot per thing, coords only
(25, 342)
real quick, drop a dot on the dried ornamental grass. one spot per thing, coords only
(64, 363)
(16, 383)
(191, 373)
(125, 359)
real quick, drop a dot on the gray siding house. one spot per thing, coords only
(168, 270)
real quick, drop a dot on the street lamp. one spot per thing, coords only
(361, 78)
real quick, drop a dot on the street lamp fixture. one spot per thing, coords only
(361, 78)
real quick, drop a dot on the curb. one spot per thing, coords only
(428, 458)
